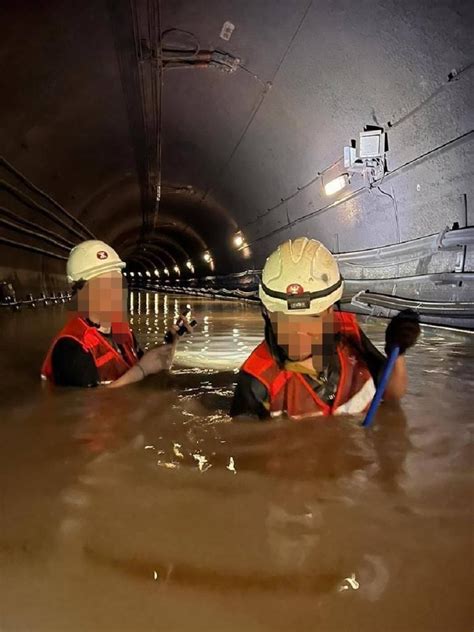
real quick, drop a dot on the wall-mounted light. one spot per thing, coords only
(207, 256)
(166, 271)
(337, 184)
(157, 273)
(176, 269)
(189, 265)
(132, 274)
(148, 273)
(139, 274)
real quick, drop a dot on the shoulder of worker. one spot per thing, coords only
(250, 397)
(72, 365)
(368, 352)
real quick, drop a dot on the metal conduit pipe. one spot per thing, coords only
(438, 278)
(399, 253)
(235, 275)
(21, 229)
(458, 237)
(51, 200)
(147, 37)
(25, 199)
(460, 309)
(37, 227)
(42, 251)
(409, 250)
(35, 234)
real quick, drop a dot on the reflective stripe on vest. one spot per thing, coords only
(105, 358)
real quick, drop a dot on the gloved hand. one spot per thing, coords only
(402, 331)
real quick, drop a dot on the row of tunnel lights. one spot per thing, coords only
(238, 240)
(176, 269)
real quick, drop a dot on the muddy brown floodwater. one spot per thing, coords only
(147, 508)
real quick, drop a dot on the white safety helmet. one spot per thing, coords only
(300, 277)
(90, 259)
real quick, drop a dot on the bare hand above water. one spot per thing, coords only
(155, 360)
(158, 358)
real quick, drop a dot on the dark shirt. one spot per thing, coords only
(250, 394)
(72, 366)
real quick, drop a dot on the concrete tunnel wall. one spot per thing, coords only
(240, 150)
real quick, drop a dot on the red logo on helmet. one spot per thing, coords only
(101, 254)
(295, 288)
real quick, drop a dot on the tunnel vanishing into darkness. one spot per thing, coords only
(167, 128)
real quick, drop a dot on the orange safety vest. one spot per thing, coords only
(290, 392)
(109, 362)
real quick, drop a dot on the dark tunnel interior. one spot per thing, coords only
(197, 136)
(174, 455)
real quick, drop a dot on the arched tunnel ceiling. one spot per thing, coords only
(243, 149)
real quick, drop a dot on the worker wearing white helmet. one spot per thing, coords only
(97, 346)
(315, 360)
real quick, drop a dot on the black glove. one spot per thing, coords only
(402, 331)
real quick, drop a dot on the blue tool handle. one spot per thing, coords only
(387, 372)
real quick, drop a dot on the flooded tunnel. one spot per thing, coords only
(194, 139)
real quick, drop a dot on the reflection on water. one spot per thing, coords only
(147, 508)
(222, 341)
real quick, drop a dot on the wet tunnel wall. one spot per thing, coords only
(166, 128)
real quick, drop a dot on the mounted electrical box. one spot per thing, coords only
(371, 144)
(349, 156)
(368, 159)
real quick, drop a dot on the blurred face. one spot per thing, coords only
(303, 336)
(104, 298)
